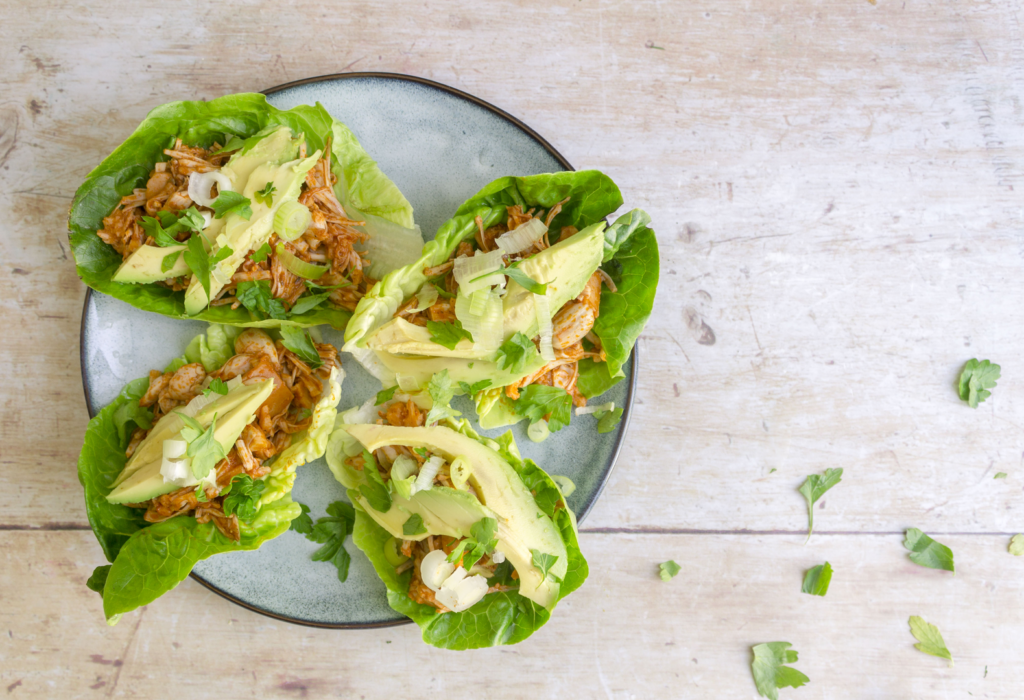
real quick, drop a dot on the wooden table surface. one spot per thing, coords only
(838, 191)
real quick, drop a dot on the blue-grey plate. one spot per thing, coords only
(440, 146)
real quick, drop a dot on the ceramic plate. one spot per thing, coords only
(440, 146)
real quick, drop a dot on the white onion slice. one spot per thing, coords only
(197, 404)
(426, 297)
(207, 218)
(201, 184)
(467, 269)
(543, 309)
(522, 237)
(435, 569)
(584, 410)
(407, 382)
(462, 592)
(487, 327)
(175, 466)
(428, 471)
(497, 557)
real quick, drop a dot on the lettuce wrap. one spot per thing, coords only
(558, 323)
(150, 558)
(479, 555)
(272, 170)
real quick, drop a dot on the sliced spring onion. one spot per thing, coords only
(472, 272)
(565, 484)
(426, 297)
(540, 303)
(522, 237)
(584, 410)
(539, 431)
(301, 268)
(392, 553)
(427, 473)
(486, 327)
(291, 220)
(404, 467)
(460, 471)
(201, 184)
(197, 404)
(389, 245)
(407, 382)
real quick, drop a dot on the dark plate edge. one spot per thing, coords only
(630, 395)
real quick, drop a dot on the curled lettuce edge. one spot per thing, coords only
(361, 184)
(500, 618)
(147, 560)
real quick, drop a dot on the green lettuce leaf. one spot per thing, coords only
(500, 618)
(360, 184)
(151, 559)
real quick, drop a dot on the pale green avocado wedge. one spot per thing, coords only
(522, 526)
(146, 265)
(147, 482)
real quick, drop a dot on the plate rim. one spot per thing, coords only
(634, 354)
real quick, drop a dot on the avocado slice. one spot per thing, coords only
(287, 175)
(565, 267)
(522, 526)
(145, 481)
(144, 265)
(422, 368)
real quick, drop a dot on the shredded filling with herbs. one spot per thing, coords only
(572, 325)
(329, 239)
(288, 410)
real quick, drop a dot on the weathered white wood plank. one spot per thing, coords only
(625, 634)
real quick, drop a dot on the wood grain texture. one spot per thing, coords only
(836, 188)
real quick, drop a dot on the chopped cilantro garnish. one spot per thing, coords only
(817, 578)
(929, 638)
(537, 401)
(814, 488)
(385, 395)
(244, 497)
(668, 570)
(770, 673)
(231, 203)
(261, 253)
(448, 334)
(975, 381)
(258, 299)
(515, 353)
(266, 195)
(927, 552)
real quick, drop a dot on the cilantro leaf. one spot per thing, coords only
(385, 395)
(231, 203)
(975, 380)
(816, 579)
(929, 639)
(167, 225)
(244, 497)
(414, 525)
(309, 302)
(98, 579)
(1000, 475)
(448, 334)
(483, 540)
(201, 263)
(607, 421)
(298, 341)
(475, 387)
(170, 260)
(485, 531)
(925, 551)
(374, 490)
(770, 673)
(814, 488)
(256, 297)
(525, 281)
(203, 449)
(1017, 545)
(331, 533)
(537, 401)
(302, 524)
(266, 195)
(131, 412)
(441, 291)
(515, 353)
(217, 386)
(261, 253)
(161, 236)
(669, 569)
(544, 562)
(441, 392)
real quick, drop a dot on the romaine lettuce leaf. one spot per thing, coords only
(500, 618)
(151, 559)
(360, 183)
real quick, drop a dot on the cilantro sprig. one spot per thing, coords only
(482, 541)
(258, 299)
(299, 342)
(770, 671)
(231, 203)
(202, 263)
(331, 532)
(814, 488)
(515, 353)
(266, 195)
(441, 391)
(975, 381)
(475, 387)
(243, 497)
(817, 579)
(537, 401)
(166, 225)
(203, 448)
(545, 562)
(217, 386)
(261, 253)
(374, 490)
(929, 639)
(448, 334)
(925, 551)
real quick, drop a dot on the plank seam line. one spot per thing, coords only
(692, 531)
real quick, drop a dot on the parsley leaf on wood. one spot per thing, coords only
(816, 579)
(814, 488)
(298, 341)
(448, 334)
(668, 570)
(1000, 475)
(1017, 545)
(231, 203)
(244, 497)
(537, 401)
(929, 639)
(256, 297)
(927, 552)
(515, 353)
(302, 524)
(770, 673)
(374, 490)
(975, 380)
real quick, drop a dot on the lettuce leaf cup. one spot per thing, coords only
(201, 458)
(474, 544)
(526, 298)
(235, 212)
